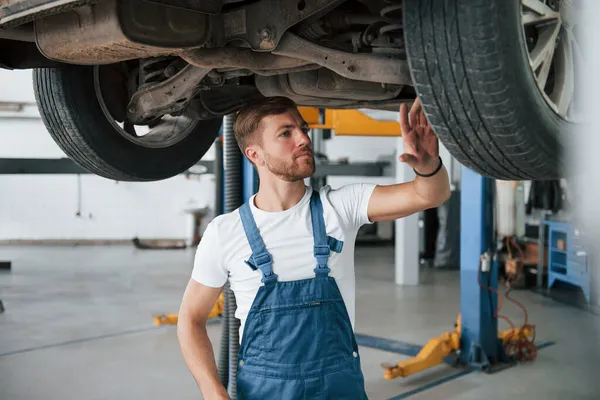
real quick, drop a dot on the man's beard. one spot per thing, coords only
(291, 171)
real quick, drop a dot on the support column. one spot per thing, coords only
(250, 180)
(479, 342)
(407, 232)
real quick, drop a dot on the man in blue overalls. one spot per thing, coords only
(288, 254)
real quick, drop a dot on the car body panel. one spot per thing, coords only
(16, 12)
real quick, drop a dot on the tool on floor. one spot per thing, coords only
(171, 319)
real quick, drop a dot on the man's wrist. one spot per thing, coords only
(430, 169)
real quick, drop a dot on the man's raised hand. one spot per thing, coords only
(421, 146)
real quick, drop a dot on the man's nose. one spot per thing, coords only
(302, 139)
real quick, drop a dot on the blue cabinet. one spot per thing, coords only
(567, 257)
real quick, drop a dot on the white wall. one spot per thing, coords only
(16, 86)
(376, 148)
(82, 206)
(56, 207)
(360, 149)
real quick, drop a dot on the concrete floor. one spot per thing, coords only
(78, 325)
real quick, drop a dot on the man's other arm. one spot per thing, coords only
(422, 154)
(389, 202)
(197, 302)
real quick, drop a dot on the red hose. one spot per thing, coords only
(519, 345)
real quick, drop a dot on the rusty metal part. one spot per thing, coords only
(270, 86)
(17, 12)
(167, 96)
(239, 58)
(231, 73)
(333, 23)
(360, 66)
(262, 24)
(100, 33)
(327, 84)
(89, 35)
(284, 71)
(269, 90)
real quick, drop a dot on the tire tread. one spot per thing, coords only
(69, 109)
(461, 78)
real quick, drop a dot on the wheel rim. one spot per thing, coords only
(550, 28)
(164, 131)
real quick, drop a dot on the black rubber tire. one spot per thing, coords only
(471, 71)
(70, 110)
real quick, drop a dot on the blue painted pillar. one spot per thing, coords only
(249, 180)
(479, 329)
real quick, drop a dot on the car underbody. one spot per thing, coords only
(496, 79)
(191, 56)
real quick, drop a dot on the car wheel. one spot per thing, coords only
(497, 80)
(84, 111)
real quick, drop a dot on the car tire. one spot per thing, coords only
(470, 67)
(71, 110)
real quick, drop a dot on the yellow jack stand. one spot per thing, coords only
(432, 354)
(171, 319)
(437, 349)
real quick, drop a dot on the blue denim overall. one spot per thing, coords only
(298, 341)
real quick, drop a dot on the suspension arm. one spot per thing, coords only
(359, 66)
(166, 97)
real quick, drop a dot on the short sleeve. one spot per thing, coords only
(208, 266)
(352, 203)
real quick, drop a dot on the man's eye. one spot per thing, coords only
(285, 134)
(306, 130)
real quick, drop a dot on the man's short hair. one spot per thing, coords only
(248, 118)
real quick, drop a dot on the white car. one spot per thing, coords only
(136, 89)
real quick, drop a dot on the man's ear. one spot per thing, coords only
(254, 155)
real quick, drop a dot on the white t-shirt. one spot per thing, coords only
(288, 238)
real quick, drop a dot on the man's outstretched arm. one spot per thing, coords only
(389, 202)
(197, 302)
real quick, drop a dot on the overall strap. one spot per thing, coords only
(321, 249)
(260, 257)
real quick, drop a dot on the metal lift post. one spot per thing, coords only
(475, 341)
(479, 343)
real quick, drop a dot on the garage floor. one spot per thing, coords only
(78, 325)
